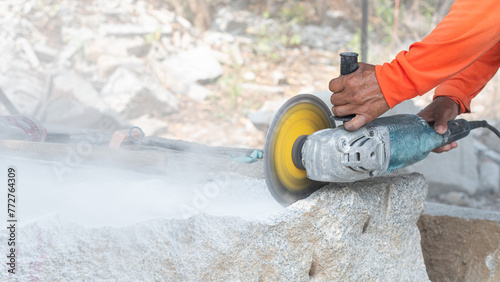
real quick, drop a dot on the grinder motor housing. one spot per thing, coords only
(381, 146)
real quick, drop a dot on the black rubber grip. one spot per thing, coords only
(344, 118)
(457, 129)
(348, 63)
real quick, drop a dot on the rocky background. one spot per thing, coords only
(214, 71)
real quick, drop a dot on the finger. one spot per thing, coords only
(355, 123)
(441, 123)
(338, 99)
(427, 115)
(442, 149)
(334, 98)
(337, 84)
(440, 128)
(442, 119)
(342, 110)
(446, 148)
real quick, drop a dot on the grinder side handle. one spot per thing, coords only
(348, 65)
(457, 129)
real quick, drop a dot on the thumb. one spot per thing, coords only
(441, 123)
(355, 123)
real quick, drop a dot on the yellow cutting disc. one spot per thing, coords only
(302, 115)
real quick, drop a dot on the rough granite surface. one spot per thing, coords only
(364, 231)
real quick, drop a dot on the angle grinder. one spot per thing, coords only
(304, 149)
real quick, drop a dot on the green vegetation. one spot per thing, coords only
(293, 12)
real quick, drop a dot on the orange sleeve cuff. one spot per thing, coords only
(463, 107)
(458, 96)
(468, 83)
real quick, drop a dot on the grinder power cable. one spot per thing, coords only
(304, 149)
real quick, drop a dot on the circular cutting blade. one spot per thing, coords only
(302, 115)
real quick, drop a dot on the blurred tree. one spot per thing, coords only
(198, 12)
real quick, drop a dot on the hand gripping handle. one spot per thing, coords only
(348, 65)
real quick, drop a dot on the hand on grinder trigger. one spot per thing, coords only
(358, 93)
(441, 111)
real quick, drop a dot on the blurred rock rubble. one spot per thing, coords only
(216, 76)
(75, 62)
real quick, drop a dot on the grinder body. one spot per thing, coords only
(379, 147)
(304, 149)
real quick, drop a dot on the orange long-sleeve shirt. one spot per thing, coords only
(460, 55)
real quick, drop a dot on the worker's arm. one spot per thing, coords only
(464, 86)
(469, 30)
(453, 97)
